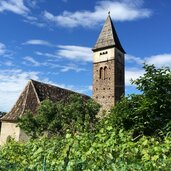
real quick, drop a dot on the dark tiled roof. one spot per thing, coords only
(33, 94)
(108, 37)
(54, 93)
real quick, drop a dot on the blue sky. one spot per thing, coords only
(51, 41)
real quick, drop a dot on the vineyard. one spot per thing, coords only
(134, 135)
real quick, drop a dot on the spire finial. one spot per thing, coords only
(108, 12)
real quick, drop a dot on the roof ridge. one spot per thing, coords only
(34, 89)
(25, 100)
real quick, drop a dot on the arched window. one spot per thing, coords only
(105, 72)
(101, 73)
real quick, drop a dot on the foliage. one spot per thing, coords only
(110, 144)
(75, 115)
(148, 113)
(2, 114)
(103, 150)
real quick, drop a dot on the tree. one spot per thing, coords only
(73, 116)
(2, 114)
(148, 113)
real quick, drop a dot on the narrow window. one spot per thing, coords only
(101, 73)
(105, 72)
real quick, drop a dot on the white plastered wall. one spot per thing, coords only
(10, 130)
(100, 57)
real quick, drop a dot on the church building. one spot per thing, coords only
(108, 84)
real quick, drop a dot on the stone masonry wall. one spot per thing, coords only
(103, 88)
(109, 80)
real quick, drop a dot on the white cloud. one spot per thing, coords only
(32, 3)
(8, 63)
(124, 10)
(20, 7)
(11, 84)
(132, 73)
(32, 61)
(38, 42)
(50, 55)
(6, 54)
(72, 67)
(34, 21)
(15, 6)
(2, 49)
(78, 53)
(131, 58)
(160, 60)
(28, 60)
(90, 87)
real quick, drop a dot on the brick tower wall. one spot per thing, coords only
(108, 77)
(103, 88)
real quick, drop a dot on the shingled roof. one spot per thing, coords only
(33, 94)
(108, 37)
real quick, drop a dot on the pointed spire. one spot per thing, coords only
(108, 37)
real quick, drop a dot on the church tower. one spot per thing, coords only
(108, 67)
